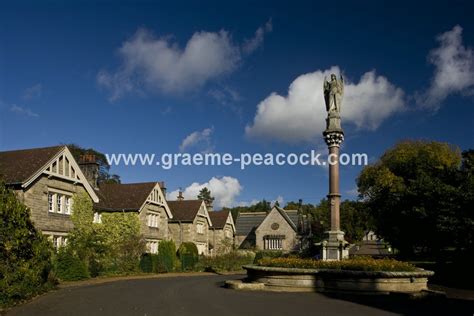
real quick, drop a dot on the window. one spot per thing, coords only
(58, 241)
(97, 218)
(228, 234)
(153, 219)
(68, 204)
(59, 203)
(200, 228)
(152, 246)
(273, 242)
(50, 202)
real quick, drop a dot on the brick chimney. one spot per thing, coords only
(90, 168)
(163, 187)
(180, 195)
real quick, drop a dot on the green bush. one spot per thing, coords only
(232, 261)
(148, 263)
(355, 264)
(267, 254)
(69, 267)
(166, 261)
(188, 255)
(25, 254)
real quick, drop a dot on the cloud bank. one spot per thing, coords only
(159, 64)
(224, 190)
(201, 139)
(454, 69)
(300, 116)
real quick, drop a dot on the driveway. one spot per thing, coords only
(204, 295)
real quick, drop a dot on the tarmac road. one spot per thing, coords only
(205, 295)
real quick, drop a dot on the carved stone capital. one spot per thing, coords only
(333, 138)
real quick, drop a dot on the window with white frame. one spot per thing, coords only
(58, 241)
(228, 233)
(50, 202)
(153, 219)
(59, 203)
(152, 246)
(97, 218)
(273, 242)
(200, 228)
(67, 200)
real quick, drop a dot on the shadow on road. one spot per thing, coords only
(404, 305)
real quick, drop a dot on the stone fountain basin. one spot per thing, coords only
(340, 281)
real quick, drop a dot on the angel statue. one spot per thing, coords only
(333, 92)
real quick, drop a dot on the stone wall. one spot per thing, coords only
(36, 198)
(155, 233)
(220, 240)
(275, 224)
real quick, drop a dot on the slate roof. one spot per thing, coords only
(17, 166)
(185, 210)
(218, 219)
(120, 196)
(247, 222)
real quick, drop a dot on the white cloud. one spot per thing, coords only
(33, 92)
(300, 116)
(201, 139)
(224, 190)
(454, 69)
(23, 111)
(159, 64)
(255, 42)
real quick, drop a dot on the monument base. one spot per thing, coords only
(335, 247)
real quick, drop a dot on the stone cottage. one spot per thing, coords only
(45, 180)
(278, 229)
(222, 232)
(190, 223)
(147, 199)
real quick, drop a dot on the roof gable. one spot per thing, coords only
(130, 196)
(282, 213)
(188, 210)
(25, 166)
(221, 218)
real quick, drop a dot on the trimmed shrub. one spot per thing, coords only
(355, 264)
(232, 261)
(69, 267)
(267, 254)
(148, 263)
(166, 260)
(25, 254)
(188, 255)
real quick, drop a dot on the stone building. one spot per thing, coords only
(278, 229)
(45, 180)
(222, 232)
(147, 199)
(190, 223)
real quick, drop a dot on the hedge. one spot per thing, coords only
(188, 255)
(355, 264)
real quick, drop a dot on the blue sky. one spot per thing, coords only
(140, 77)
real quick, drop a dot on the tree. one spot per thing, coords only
(205, 195)
(416, 194)
(101, 159)
(115, 245)
(25, 254)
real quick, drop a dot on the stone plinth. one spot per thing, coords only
(338, 281)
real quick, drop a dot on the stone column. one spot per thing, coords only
(335, 246)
